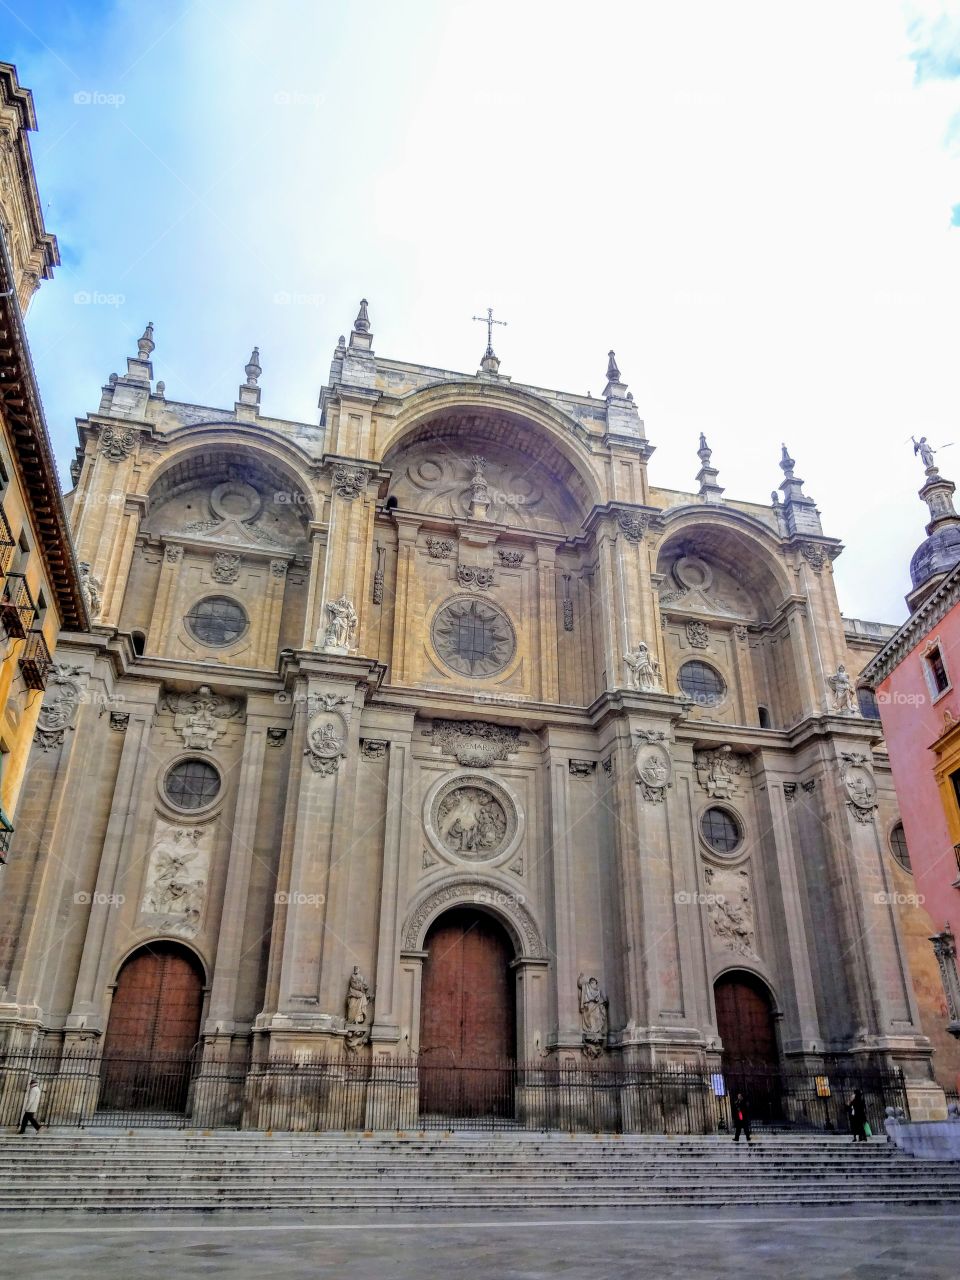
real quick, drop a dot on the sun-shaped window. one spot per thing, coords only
(473, 637)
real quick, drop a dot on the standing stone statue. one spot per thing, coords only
(358, 997)
(844, 693)
(644, 670)
(925, 451)
(342, 624)
(593, 1015)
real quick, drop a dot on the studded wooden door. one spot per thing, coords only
(154, 1025)
(468, 1016)
(745, 1021)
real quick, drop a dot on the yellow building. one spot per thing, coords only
(41, 586)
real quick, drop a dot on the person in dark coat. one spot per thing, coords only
(858, 1117)
(741, 1117)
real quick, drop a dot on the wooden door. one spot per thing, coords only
(468, 1016)
(751, 1058)
(154, 1025)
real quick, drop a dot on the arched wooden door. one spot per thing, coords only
(467, 1017)
(751, 1056)
(154, 1025)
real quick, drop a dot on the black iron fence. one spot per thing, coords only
(354, 1093)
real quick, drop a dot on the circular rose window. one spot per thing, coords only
(473, 637)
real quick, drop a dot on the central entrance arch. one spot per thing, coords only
(467, 1016)
(751, 1055)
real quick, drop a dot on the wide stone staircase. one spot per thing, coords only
(144, 1170)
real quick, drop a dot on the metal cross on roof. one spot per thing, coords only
(489, 321)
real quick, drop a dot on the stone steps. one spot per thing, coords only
(183, 1170)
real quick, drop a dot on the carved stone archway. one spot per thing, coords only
(485, 894)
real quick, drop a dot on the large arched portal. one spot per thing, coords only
(154, 1025)
(467, 1016)
(751, 1056)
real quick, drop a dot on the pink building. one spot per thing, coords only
(916, 676)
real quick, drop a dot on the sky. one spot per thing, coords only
(757, 205)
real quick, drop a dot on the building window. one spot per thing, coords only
(216, 621)
(702, 683)
(867, 701)
(936, 670)
(192, 784)
(763, 715)
(139, 642)
(720, 830)
(898, 846)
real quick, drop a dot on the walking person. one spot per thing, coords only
(31, 1105)
(741, 1117)
(858, 1117)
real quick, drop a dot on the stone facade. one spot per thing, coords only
(430, 648)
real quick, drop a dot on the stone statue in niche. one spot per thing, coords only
(341, 629)
(92, 589)
(844, 692)
(644, 670)
(358, 997)
(471, 821)
(593, 1015)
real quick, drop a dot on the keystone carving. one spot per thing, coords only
(474, 575)
(117, 443)
(349, 482)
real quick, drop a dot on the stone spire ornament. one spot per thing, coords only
(799, 512)
(247, 406)
(146, 344)
(362, 322)
(489, 364)
(616, 388)
(361, 337)
(252, 368)
(707, 475)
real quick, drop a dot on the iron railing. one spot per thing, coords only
(354, 1093)
(8, 544)
(35, 660)
(17, 609)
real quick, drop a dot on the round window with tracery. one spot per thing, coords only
(216, 621)
(473, 637)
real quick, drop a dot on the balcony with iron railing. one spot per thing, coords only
(6, 835)
(35, 660)
(17, 609)
(8, 543)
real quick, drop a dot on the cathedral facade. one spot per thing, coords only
(436, 729)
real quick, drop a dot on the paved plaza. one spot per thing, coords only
(819, 1245)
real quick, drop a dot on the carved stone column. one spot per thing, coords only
(547, 614)
(349, 536)
(406, 586)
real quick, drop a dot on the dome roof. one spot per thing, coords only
(938, 554)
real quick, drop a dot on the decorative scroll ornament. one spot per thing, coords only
(567, 604)
(326, 745)
(633, 525)
(117, 443)
(226, 567)
(654, 768)
(349, 482)
(200, 717)
(512, 558)
(119, 721)
(815, 556)
(593, 1016)
(378, 575)
(844, 693)
(278, 568)
(719, 770)
(644, 670)
(475, 744)
(698, 635)
(177, 873)
(65, 691)
(860, 786)
(582, 768)
(340, 633)
(173, 553)
(92, 589)
(276, 736)
(439, 548)
(479, 489)
(730, 909)
(373, 748)
(472, 575)
(945, 949)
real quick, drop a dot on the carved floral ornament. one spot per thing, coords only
(117, 443)
(633, 524)
(226, 567)
(860, 786)
(349, 482)
(474, 575)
